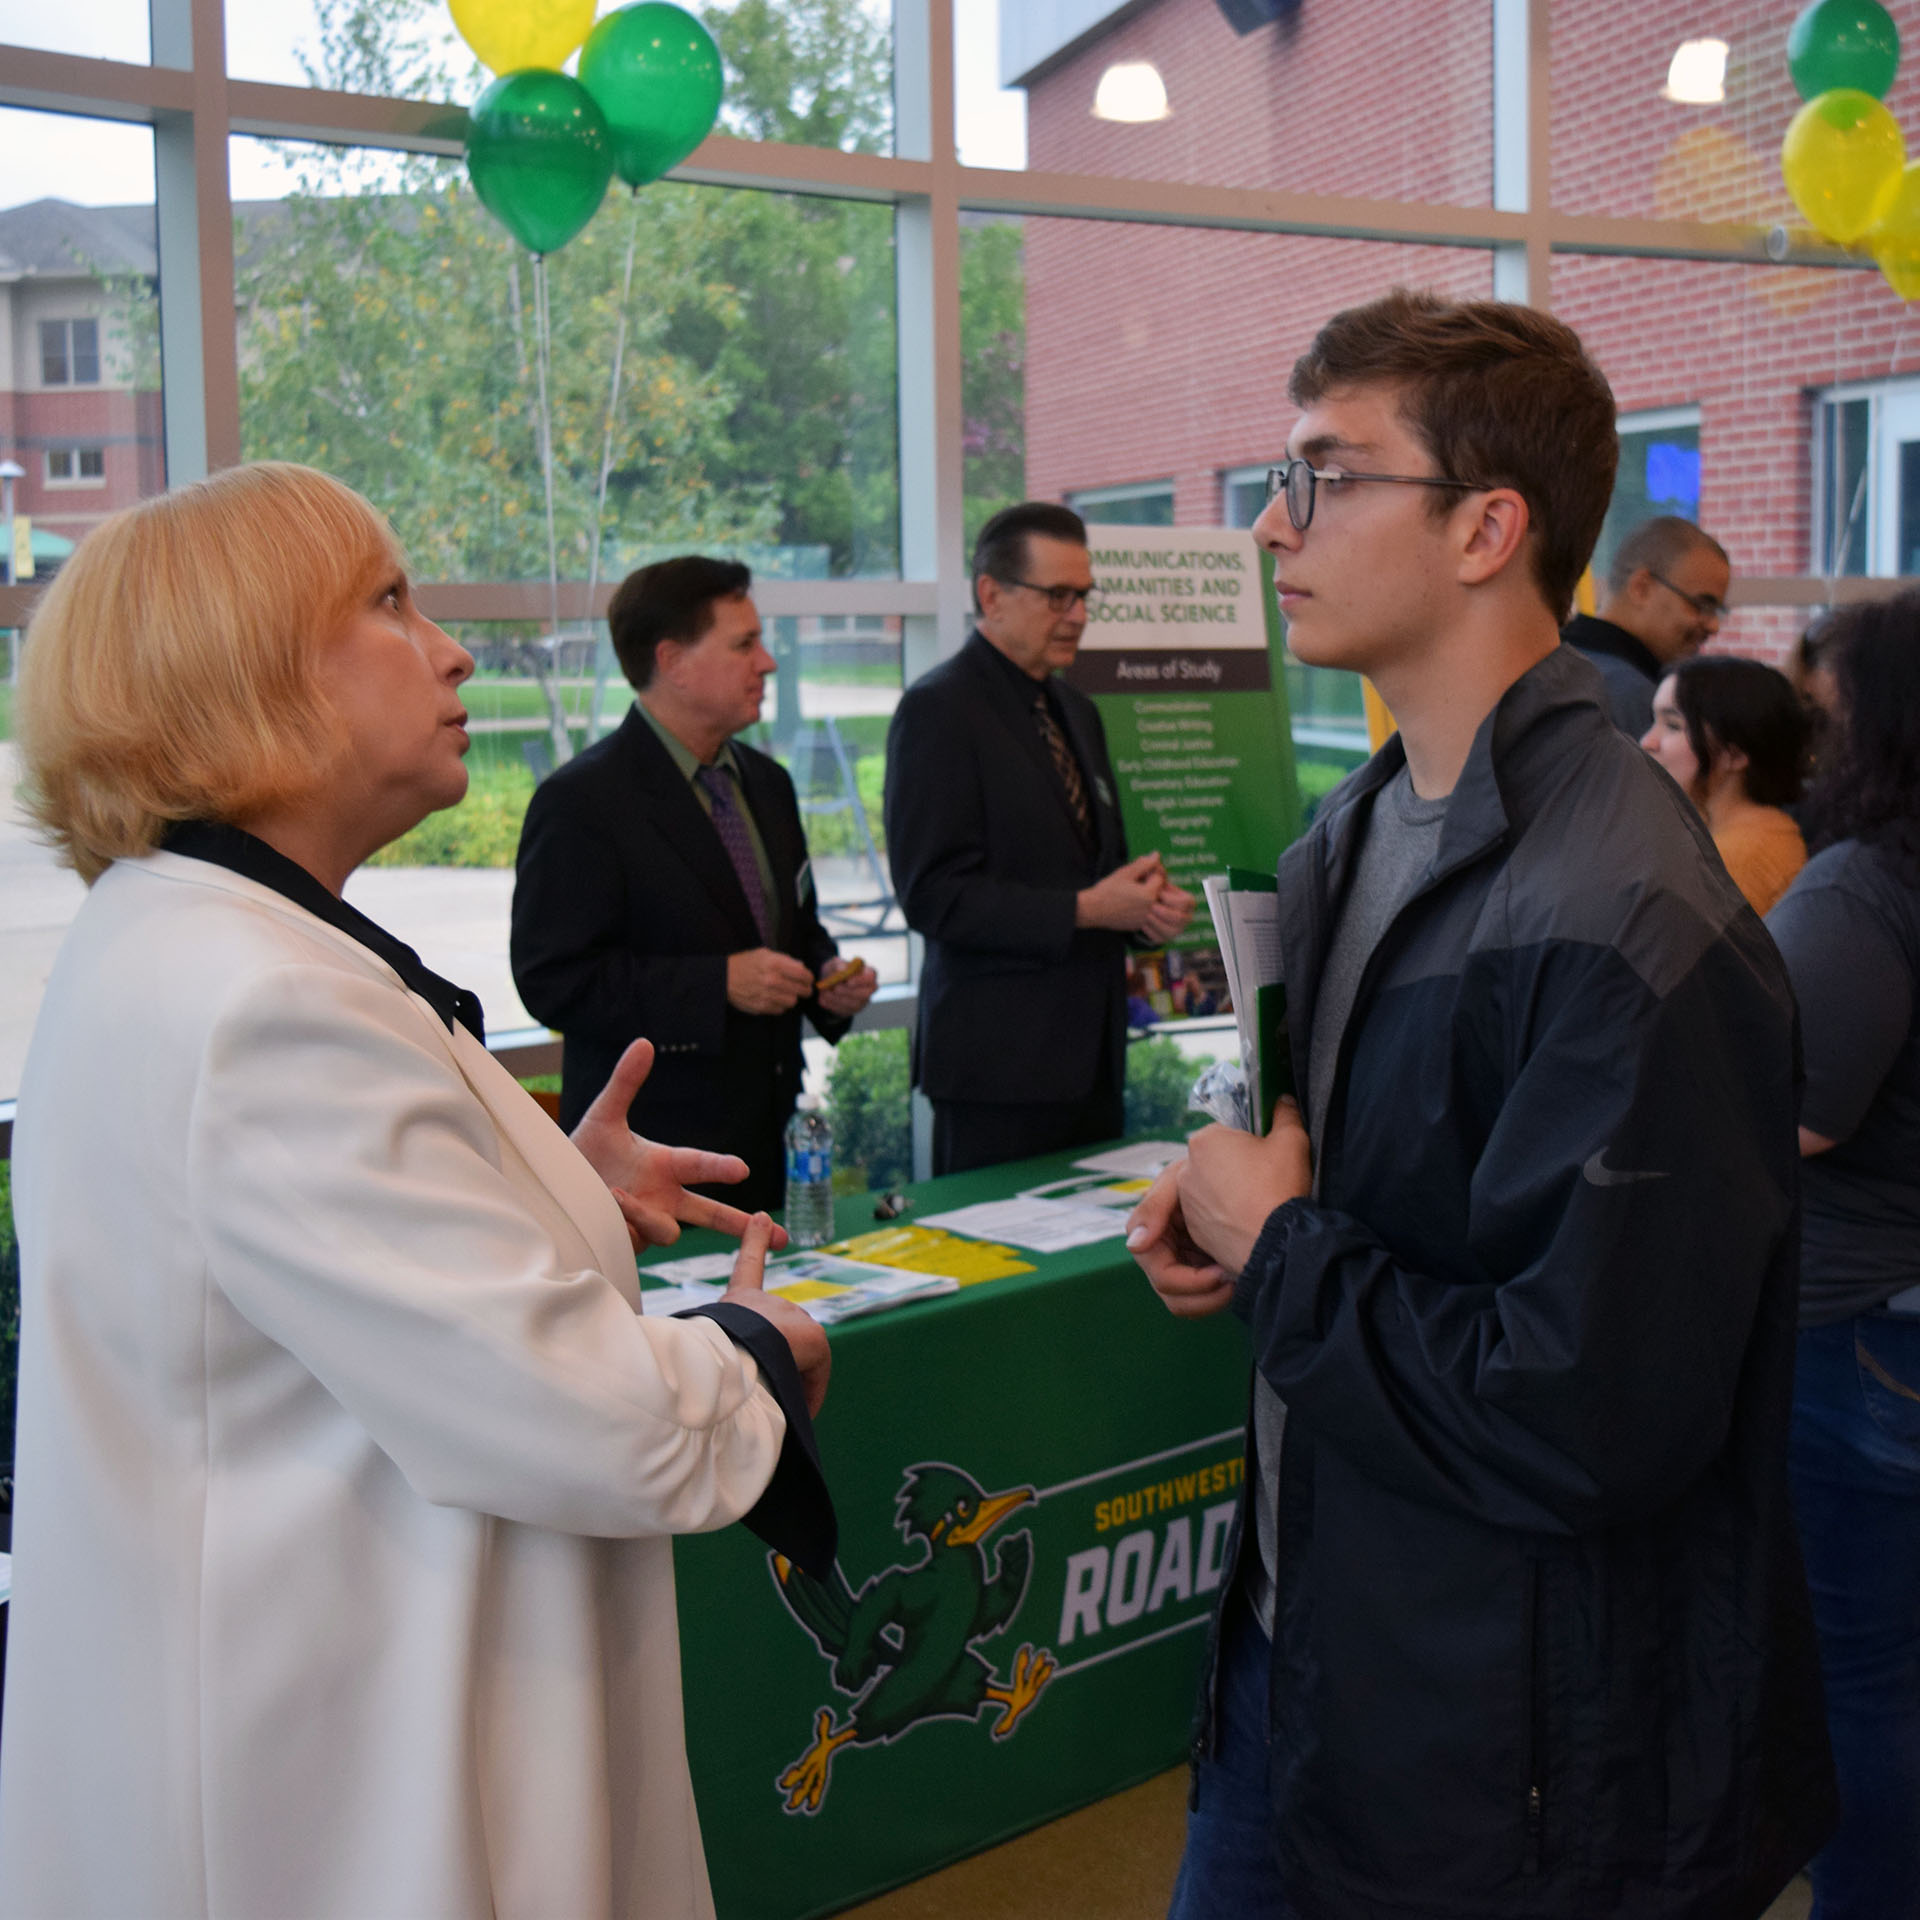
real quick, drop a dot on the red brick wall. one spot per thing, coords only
(1156, 352)
(125, 424)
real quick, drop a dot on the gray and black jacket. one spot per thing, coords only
(1542, 1640)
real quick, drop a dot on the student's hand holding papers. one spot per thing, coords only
(1196, 1228)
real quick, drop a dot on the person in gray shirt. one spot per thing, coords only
(1849, 929)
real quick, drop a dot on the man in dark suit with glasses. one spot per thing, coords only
(1003, 829)
(1666, 596)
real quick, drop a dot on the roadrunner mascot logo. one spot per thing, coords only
(903, 1645)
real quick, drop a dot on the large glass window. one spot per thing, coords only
(1716, 367)
(1127, 348)
(447, 887)
(1659, 474)
(1302, 99)
(1644, 130)
(105, 29)
(815, 72)
(1147, 505)
(1198, 329)
(393, 337)
(79, 331)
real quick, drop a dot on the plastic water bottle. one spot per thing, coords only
(809, 1176)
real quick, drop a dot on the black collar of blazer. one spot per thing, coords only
(686, 826)
(244, 853)
(1011, 694)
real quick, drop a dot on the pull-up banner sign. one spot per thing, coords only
(1180, 611)
(1184, 657)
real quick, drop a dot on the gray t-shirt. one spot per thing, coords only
(1849, 930)
(1396, 852)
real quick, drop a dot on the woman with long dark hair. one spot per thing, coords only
(1734, 734)
(1850, 930)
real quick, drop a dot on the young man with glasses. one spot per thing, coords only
(1666, 596)
(1515, 1625)
(1003, 829)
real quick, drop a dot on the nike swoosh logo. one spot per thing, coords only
(1599, 1174)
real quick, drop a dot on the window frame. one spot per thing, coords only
(1081, 498)
(70, 355)
(79, 479)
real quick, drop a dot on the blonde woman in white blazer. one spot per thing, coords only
(347, 1462)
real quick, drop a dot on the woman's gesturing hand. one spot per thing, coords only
(650, 1181)
(804, 1335)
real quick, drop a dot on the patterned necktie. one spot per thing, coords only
(732, 828)
(1065, 765)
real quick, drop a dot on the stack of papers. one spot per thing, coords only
(916, 1249)
(826, 1285)
(1039, 1225)
(1138, 1160)
(1246, 921)
(925, 1258)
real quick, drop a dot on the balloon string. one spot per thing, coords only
(543, 352)
(606, 465)
(613, 402)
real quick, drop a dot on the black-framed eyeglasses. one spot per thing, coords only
(1059, 599)
(1704, 604)
(1297, 481)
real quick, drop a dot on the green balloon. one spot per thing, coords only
(540, 156)
(1843, 43)
(657, 76)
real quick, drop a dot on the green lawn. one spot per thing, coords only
(484, 829)
(492, 696)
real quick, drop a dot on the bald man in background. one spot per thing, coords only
(1666, 595)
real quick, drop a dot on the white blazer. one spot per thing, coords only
(346, 1461)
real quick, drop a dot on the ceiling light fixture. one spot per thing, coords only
(1697, 76)
(1131, 91)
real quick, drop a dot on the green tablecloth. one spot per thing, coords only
(1122, 1425)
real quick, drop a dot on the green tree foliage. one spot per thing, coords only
(993, 380)
(388, 334)
(1159, 1076)
(818, 73)
(868, 1102)
(868, 1105)
(390, 339)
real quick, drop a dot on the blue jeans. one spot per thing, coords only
(1229, 1870)
(1856, 1488)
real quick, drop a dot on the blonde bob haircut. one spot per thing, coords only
(169, 671)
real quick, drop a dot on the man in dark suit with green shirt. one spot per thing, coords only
(664, 888)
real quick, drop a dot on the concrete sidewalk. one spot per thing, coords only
(455, 917)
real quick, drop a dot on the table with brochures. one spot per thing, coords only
(1035, 1471)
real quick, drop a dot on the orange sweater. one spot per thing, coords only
(1762, 851)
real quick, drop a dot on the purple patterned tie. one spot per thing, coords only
(718, 786)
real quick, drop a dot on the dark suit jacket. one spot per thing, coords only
(1630, 671)
(625, 909)
(1016, 1005)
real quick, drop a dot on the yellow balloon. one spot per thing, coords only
(1842, 158)
(1896, 240)
(511, 34)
